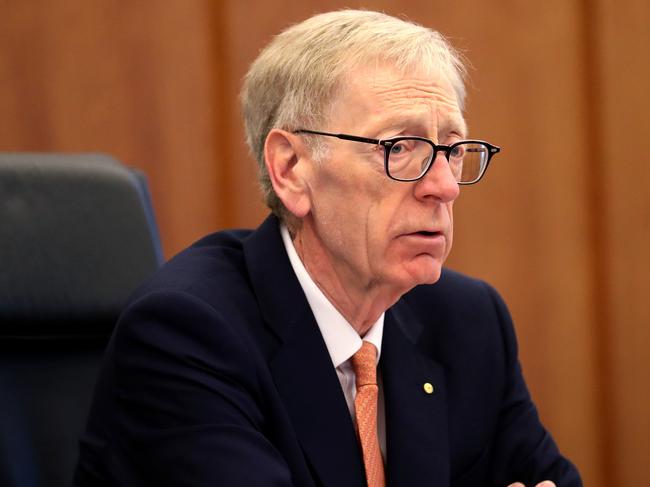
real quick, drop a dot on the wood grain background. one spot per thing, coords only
(560, 225)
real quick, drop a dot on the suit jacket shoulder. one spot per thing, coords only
(495, 432)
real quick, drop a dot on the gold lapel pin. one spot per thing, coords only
(428, 388)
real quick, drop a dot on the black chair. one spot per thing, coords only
(77, 234)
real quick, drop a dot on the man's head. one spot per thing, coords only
(295, 79)
(373, 76)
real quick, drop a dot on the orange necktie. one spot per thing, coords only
(364, 363)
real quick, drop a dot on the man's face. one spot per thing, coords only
(369, 230)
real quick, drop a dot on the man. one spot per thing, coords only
(317, 350)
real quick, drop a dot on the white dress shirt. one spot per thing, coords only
(341, 339)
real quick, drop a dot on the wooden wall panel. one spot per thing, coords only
(622, 37)
(133, 79)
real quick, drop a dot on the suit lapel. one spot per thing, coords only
(302, 368)
(311, 391)
(416, 422)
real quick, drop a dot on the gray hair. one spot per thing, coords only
(298, 74)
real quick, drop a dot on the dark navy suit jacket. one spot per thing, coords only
(217, 375)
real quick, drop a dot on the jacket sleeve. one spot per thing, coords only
(523, 450)
(189, 405)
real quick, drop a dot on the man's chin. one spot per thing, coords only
(425, 269)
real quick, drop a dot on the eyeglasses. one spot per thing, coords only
(409, 158)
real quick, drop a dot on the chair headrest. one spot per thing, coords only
(76, 236)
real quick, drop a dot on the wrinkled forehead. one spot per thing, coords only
(428, 66)
(391, 94)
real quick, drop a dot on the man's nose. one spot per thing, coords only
(439, 182)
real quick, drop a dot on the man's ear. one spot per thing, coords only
(284, 156)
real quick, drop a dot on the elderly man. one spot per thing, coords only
(329, 347)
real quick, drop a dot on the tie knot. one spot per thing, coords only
(364, 363)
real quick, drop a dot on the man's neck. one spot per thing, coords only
(361, 303)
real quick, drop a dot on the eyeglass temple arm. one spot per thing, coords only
(353, 138)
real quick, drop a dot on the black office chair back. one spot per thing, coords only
(77, 234)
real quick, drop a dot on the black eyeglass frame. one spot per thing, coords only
(388, 143)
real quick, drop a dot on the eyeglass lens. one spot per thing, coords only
(408, 159)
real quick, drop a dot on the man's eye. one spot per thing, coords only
(457, 151)
(400, 148)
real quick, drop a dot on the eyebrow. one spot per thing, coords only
(452, 126)
(455, 125)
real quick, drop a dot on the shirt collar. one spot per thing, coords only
(341, 339)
